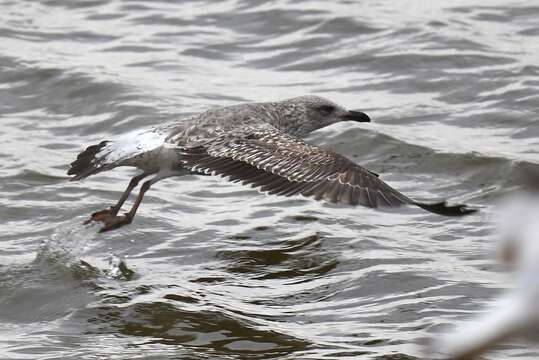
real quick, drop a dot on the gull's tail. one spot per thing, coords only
(123, 151)
(89, 162)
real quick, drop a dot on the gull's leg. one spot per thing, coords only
(115, 221)
(113, 210)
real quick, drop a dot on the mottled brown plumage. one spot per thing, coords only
(256, 144)
(281, 164)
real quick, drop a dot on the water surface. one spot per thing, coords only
(213, 270)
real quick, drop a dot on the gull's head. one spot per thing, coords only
(314, 112)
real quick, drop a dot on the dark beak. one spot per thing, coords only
(356, 116)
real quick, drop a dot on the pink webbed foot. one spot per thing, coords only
(115, 221)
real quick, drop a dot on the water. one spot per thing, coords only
(213, 270)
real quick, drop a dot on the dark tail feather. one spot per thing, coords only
(441, 208)
(86, 163)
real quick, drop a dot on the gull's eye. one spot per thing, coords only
(326, 109)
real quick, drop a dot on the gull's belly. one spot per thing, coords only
(159, 160)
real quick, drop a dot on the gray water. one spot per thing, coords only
(212, 270)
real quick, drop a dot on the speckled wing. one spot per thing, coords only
(281, 164)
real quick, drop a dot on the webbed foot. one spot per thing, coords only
(101, 215)
(115, 221)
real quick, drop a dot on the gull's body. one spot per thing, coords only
(259, 144)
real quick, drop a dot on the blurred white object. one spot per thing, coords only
(516, 313)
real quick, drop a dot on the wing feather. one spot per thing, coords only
(281, 164)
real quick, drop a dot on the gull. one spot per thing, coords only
(514, 314)
(259, 144)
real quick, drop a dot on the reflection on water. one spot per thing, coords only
(165, 322)
(288, 259)
(210, 269)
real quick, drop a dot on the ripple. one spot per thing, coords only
(211, 269)
(195, 329)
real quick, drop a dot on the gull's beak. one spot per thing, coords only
(356, 116)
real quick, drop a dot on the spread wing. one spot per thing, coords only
(281, 164)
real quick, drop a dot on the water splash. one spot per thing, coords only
(118, 268)
(67, 243)
(72, 241)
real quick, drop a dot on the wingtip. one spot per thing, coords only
(465, 210)
(442, 208)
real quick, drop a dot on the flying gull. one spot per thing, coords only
(515, 314)
(259, 144)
